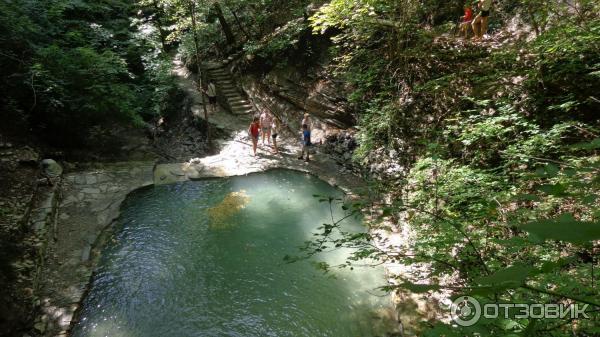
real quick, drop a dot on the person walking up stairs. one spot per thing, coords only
(235, 100)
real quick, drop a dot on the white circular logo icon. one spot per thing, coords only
(465, 311)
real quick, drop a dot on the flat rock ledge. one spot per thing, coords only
(236, 159)
(89, 203)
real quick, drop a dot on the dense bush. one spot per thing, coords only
(69, 66)
(500, 141)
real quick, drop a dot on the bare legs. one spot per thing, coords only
(254, 144)
(476, 24)
(305, 150)
(464, 29)
(266, 133)
(480, 26)
(275, 150)
(484, 26)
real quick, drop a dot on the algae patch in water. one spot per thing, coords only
(221, 214)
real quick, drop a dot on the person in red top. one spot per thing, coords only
(254, 131)
(466, 21)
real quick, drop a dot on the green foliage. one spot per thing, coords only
(283, 39)
(77, 65)
(83, 88)
(564, 228)
(500, 144)
(568, 60)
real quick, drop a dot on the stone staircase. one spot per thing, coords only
(228, 93)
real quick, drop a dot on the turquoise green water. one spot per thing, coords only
(171, 271)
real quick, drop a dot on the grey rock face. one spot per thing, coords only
(27, 155)
(292, 94)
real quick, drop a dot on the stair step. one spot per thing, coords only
(239, 107)
(239, 103)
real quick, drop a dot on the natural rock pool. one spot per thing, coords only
(205, 258)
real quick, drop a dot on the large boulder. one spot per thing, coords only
(27, 156)
(51, 168)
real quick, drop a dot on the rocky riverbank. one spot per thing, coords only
(18, 188)
(89, 204)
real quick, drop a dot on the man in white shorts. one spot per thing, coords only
(266, 120)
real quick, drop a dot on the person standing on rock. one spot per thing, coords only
(307, 121)
(211, 92)
(274, 133)
(480, 23)
(305, 143)
(253, 132)
(266, 120)
(466, 21)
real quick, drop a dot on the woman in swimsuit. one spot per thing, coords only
(254, 131)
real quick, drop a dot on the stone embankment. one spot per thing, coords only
(72, 216)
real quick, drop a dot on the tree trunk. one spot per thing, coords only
(226, 28)
(200, 87)
(534, 22)
(239, 24)
(159, 25)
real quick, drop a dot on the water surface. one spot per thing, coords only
(206, 259)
